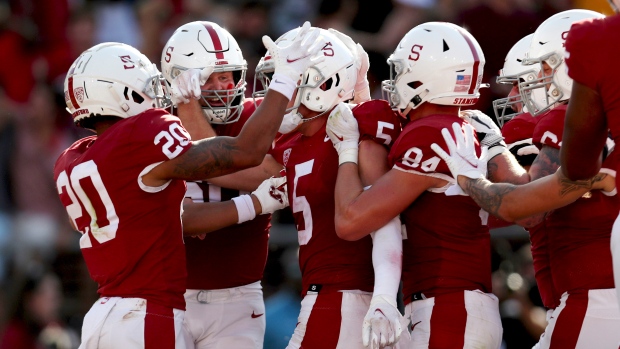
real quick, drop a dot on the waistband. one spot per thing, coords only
(212, 296)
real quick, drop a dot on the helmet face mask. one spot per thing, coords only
(113, 79)
(513, 105)
(435, 62)
(543, 91)
(196, 45)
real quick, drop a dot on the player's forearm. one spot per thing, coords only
(249, 179)
(511, 202)
(194, 121)
(585, 133)
(200, 218)
(348, 189)
(260, 130)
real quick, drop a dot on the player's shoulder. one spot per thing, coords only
(76, 149)
(550, 127)
(249, 107)
(586, 31)
(423, 132)
(519, 128)
(371, 107)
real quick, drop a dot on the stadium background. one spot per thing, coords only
(43, 280)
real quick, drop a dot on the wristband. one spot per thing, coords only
(283, 84)
(245, 208)
(348, 155)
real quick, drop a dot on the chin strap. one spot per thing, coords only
(415, 101)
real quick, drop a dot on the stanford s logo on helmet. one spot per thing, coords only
(113, 79)
(435, 62)
(196, 45)
(541, 93)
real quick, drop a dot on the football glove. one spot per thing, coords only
(462, 159)
(362, 63)
(186, 85)
(487, 131)
(342, 130)
(272, 194)
(292, 60)
(383, 323)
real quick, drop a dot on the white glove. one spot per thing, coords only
(292, 60)
(462, 159)
(186, 85)
(488, 132)
(383, 323)
(272, 194)
(362, 63)
(342, 130)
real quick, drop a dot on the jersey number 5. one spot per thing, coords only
(300, 203)
(76, 192)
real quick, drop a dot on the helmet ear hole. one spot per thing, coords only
(136, 97)
(415, 84)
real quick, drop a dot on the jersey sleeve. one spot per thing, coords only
(583, 52)
(549, 129)
(377, 122)
(161, 135)
(413, 153)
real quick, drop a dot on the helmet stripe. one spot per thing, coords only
(474, 52)
(71, 94)
(217, 45)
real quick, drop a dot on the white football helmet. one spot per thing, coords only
(200, 44)
(507, 108)
(541, 91)
(323, 85)
(113, 79)
(435, 62)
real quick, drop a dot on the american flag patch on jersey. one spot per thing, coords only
(462, 83)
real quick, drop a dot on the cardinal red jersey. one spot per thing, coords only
(440, 255)
(132, 235)
(377, 121)
(520, 128)
(232, 256)
(591, 54)
(579, 233)
(542, 266)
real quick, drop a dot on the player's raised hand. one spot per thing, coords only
(342, 129)
(292, 58)
(272, 194)
(462, 159)
(488, 132)
(362, 63)
(383, 324)
(186, 85)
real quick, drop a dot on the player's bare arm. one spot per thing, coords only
(194, 121)
(360, 212)
(585, 133)
(514, 202)
(505, 168)
(218, 156)
(249, 179)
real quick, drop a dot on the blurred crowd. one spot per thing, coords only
(45, 289)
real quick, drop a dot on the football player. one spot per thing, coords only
(518, 129)
(436, 69)
(591, 46)
(338, 308)
(224, 295)
(123, 188)
(578, 234)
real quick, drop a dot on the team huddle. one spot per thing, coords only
(174, 194)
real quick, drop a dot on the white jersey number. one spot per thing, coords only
(300, 203)
(102, 230)
(414, 162)
(174, 133)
